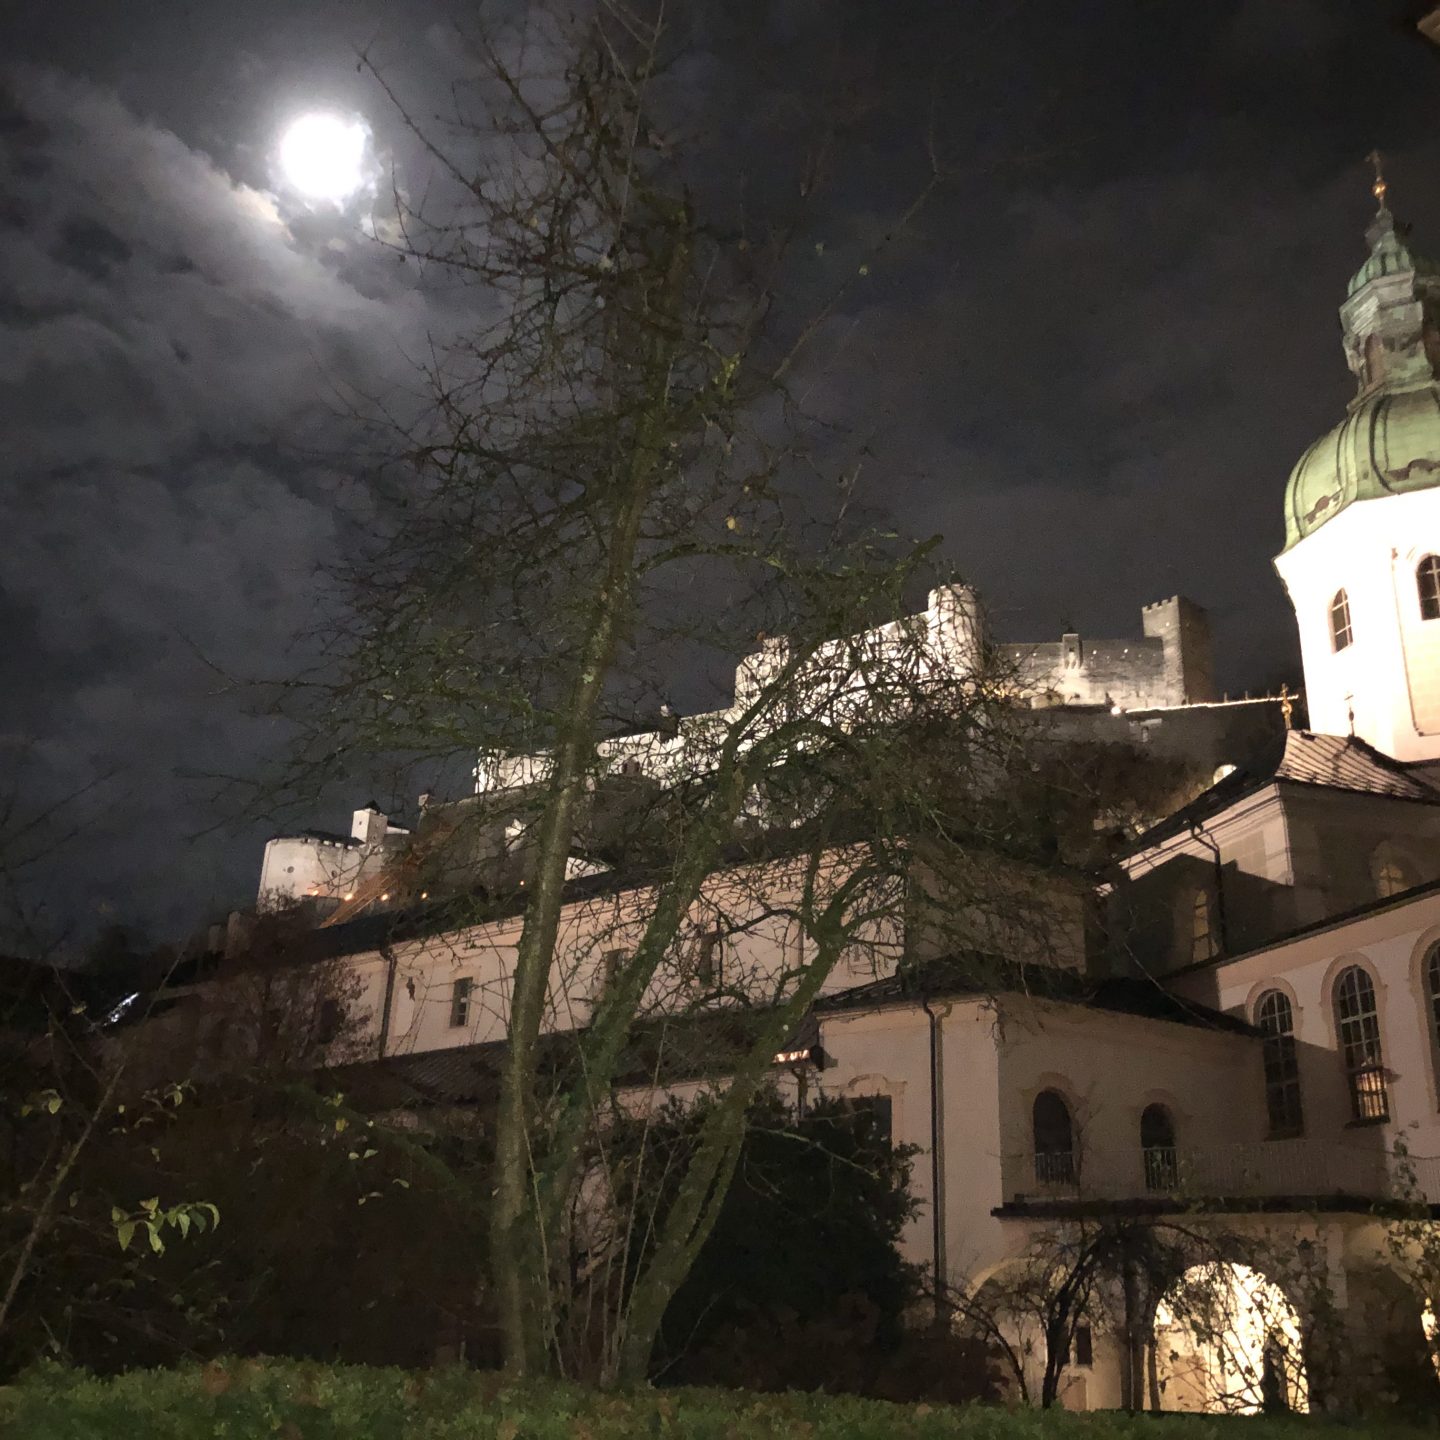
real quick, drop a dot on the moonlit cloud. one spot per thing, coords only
(1091, 362)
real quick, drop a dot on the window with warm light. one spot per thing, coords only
(1275, 1019)
(1357, 1021)
(1202, 928)
(1389, 872)
(1342, 634)
(1427, 583)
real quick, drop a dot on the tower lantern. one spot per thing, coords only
(1361, 560)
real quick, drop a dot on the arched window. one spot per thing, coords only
(1054, 1140)
(1157, 1145)
(1276, 1021)
(1388, 871)
(1432, 1003)
(1341, 633)
(1427, 582)
(1202, 929)
(1358, 1023)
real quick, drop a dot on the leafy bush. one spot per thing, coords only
(290, 1400)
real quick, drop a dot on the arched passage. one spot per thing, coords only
(1228, 1341)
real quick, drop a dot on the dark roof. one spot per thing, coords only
(700, 1045)
(990, 975)
(1300, 757)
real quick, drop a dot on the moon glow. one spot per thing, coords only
(321, 156)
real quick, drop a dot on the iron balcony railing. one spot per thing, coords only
(1271, 1168)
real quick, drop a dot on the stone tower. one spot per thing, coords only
(1183, 628)
(1361, 560)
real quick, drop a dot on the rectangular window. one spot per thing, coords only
(709, 971)
(460, 1002)
(1084, 1346)
(611, 963)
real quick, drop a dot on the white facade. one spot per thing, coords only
(1383, 684)
(325, 871)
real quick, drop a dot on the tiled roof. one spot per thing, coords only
(1300, 757)
(1345, 763)
(989, 975)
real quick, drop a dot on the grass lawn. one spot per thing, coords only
(296, 1400)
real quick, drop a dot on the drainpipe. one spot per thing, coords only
(937, 1161)
(1197, 832)
(390, 967)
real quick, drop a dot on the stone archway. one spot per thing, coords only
(1229, 1341)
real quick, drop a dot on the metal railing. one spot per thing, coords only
(1268, 1169)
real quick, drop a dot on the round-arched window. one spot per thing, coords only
(1341, 632)
(1427, 583)
(1054, 1136)
(1157, 1145)
(1358, 1022)
(1275, 1019)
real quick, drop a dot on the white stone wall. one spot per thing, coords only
(1389, 676)
(1392, 945)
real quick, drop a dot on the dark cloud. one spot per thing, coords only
(1090, 364)
(168, 356)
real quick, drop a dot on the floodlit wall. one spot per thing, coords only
(1392, 945)
(1108, 1067)
(1388, 678)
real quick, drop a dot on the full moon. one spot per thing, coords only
(321, 156)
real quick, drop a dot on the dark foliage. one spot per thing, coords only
(800, 1284)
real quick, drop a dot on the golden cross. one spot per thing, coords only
(1379, 188)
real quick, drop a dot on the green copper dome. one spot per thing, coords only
(1389, 442)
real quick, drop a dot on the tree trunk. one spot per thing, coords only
(519, 1242)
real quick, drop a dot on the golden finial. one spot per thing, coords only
(1379, 188)
(1287, 706)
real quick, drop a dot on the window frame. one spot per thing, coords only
(1202, 942)
(1280, 1059)
(1430, 987)
(1387, 863)
(461, 989)
(1160, 1157)
(709, 969)
(1054, 1165)
(1361, 1044)
(1427, 586)
(1342, 627)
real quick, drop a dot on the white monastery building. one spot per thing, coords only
(1240, 1015)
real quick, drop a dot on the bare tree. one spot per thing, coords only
(610, 483)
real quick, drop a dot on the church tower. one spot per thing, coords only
(1361, 560)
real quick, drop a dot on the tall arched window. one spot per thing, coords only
(1276, 1021)
(1341, 633)
(1157, 1145)
(1427, 582)
(1358, 1024)
(1432, 1005)
(1054, 1139)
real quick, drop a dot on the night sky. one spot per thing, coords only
(1090, 365)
